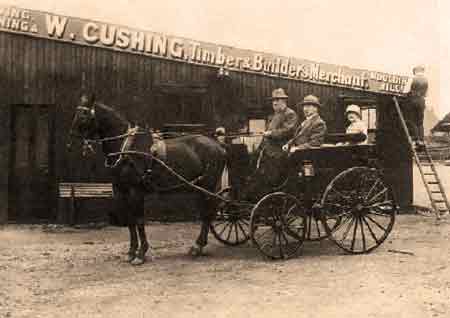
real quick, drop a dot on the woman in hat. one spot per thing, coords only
(357, 126)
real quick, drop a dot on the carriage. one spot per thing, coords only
(334, 191)
(338, 190)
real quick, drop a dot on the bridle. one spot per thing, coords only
(89, 142)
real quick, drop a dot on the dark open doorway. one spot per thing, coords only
(32, 176)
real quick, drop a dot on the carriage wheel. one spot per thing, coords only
(231, 225)
(277, 225)
(365, 207)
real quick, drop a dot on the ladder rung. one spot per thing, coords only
(429, 174)
(432, 182)
(438, 201)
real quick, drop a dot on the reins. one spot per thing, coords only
(173, 172)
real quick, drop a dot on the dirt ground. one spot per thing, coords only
(64, 272)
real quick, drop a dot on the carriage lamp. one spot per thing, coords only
(308, 168)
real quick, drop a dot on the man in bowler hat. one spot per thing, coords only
(281, 128)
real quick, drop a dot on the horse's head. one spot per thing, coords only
(84, 123)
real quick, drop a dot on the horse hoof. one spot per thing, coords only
(137, 261)
(130, 258)
(196, 251)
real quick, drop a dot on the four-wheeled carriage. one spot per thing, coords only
(336, 192)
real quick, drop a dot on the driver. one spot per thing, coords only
(312, 131)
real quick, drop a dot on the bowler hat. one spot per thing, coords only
(279, 94)
(310, 100)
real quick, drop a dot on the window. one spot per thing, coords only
(369, 116)
(255, 126)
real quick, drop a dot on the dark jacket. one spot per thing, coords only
(310, 134)
(419, 86)
(282, 127)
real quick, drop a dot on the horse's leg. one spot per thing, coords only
(136, 200)
(140, 257)
(133, 243)
(202, 239)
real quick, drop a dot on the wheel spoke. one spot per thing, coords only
(343, 222)
(309, 226)
(370, 230)
(380, 204)
(236, 231)
(376, 223)
(384, 191)
(242, 230)
(347, 230)
(281, 245)
(354, 235)
(363, 236)
(229, 232)
(371, 189)
(380, 214)
(224, 228)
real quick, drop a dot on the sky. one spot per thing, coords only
(382, 35)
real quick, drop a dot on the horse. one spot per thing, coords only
(192, 157)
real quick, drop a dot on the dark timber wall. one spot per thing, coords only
(150, 92)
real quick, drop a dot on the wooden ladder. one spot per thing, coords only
(428, 172)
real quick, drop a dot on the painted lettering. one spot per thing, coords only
(90, 31)
(257, 64)
(176, 48)
(56, 25)
(123, 38)
(137, 42)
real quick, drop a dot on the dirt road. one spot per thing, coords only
(81, 273)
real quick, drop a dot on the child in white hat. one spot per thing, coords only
(357, 126)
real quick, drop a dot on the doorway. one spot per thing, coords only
(32, 180)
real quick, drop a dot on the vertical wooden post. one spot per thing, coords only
(71, 218)
(5, 148)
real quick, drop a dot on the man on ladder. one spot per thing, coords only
(414, 109)
(416, 93)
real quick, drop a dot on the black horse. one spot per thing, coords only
(196, 158)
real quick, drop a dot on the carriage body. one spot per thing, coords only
(333, 191)
(311, 170)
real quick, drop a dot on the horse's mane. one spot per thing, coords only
(113, 111)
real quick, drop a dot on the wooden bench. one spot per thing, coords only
(74, 191)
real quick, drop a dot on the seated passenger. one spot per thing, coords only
(312, 131)
(270, 158)
(357, 126)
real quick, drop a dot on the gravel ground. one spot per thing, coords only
(63, 272)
